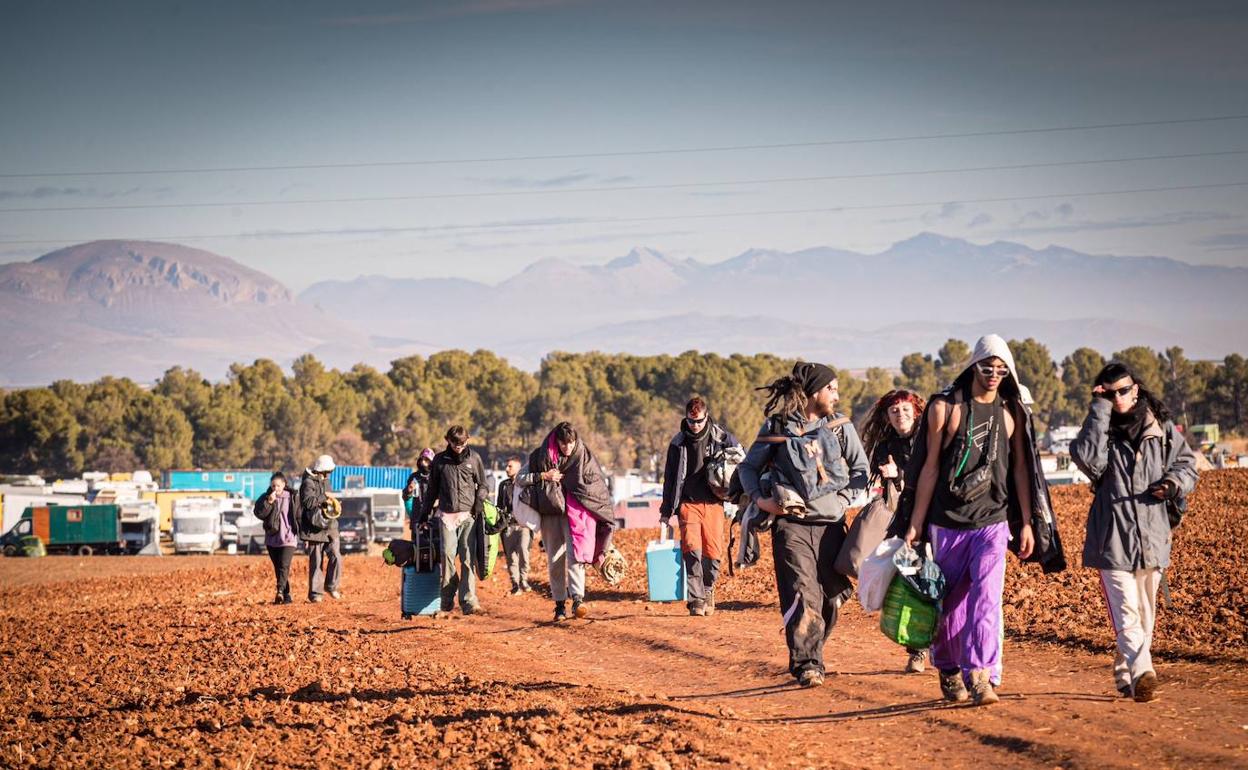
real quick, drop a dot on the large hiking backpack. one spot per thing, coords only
(805, 472)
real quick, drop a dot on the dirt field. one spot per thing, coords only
(180, 662)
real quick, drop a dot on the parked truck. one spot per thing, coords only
(79, 529)
(232, 509)
(196, 525)
(165, 499)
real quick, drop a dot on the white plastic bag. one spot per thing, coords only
(523, 513)
(876, 573)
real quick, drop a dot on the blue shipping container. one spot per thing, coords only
(375, 477)
(249, 484)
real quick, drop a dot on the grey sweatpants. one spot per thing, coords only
(567, 577)
(324, 577)
(458, 540)
(517, 540)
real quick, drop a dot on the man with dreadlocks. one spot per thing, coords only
(804, 447)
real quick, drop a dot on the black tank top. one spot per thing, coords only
(985, 424)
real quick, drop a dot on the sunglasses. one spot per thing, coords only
(1118, 392)
(988, 370)
(698, 421)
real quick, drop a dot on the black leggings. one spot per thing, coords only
(281, 557)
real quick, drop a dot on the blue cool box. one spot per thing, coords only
(421, 592)
(665, 571)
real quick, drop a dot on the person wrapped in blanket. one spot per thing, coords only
(888, 433)
(820, 466)
(566, 486)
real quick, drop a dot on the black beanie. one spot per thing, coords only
(812, 377)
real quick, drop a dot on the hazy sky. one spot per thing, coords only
(172, 86)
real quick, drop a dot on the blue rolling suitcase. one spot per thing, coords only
(421, 587)
(665, 570)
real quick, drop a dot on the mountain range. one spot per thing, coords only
(136, 308)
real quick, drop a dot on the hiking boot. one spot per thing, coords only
(286, 599)
(951, 686)
(525, 587)
(810, 678)
(981, 688)
(516, 590)
(278, 599)
(561, 611)
(473, 609)
(917, 662)
(1125, 691)
(316, 599)
(1145, 689)
(579, 610)
(697, 609)
(710, 601)
(336, 593)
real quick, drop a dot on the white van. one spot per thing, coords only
(196, 525)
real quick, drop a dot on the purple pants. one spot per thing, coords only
(970, 631)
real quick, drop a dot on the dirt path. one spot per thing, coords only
(184, 665)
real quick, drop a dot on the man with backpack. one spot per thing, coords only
(974, 474)
(697, 500)
(809, 457)
(1142, 471)
(318, 528)
(458, 489)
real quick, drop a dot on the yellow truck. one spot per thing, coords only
(164, 502)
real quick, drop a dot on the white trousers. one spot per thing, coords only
(1132, 601)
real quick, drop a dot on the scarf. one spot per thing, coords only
(1129, 426)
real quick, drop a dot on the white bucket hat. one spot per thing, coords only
(324, 464)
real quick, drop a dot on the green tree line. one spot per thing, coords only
(627, 407)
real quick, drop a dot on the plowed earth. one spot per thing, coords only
(180, 662)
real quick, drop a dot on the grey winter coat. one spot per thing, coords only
(1128, 529)
(847, 470)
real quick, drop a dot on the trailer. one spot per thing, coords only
(368, 477)
(79, 529)
(245, 483)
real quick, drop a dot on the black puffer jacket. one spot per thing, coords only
(314, 525)
(456, 483)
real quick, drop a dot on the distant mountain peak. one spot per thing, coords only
(640, 255)
(111, 271)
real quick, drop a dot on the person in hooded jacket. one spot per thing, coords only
(417, 485)
(278, 511)
(458, 489)
(974, 464)
(687, 495)
(319, 530)
(566, 486)
(888, 433)
(802, 424)
(1139, 465)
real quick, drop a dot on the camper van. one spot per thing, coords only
(233, 509)
(196, 525)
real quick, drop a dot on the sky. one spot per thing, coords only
(518, 130)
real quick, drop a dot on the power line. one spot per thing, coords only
(627, 153)
(618, 188)
(663, 218)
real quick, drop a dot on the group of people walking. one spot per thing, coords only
(958, 473)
